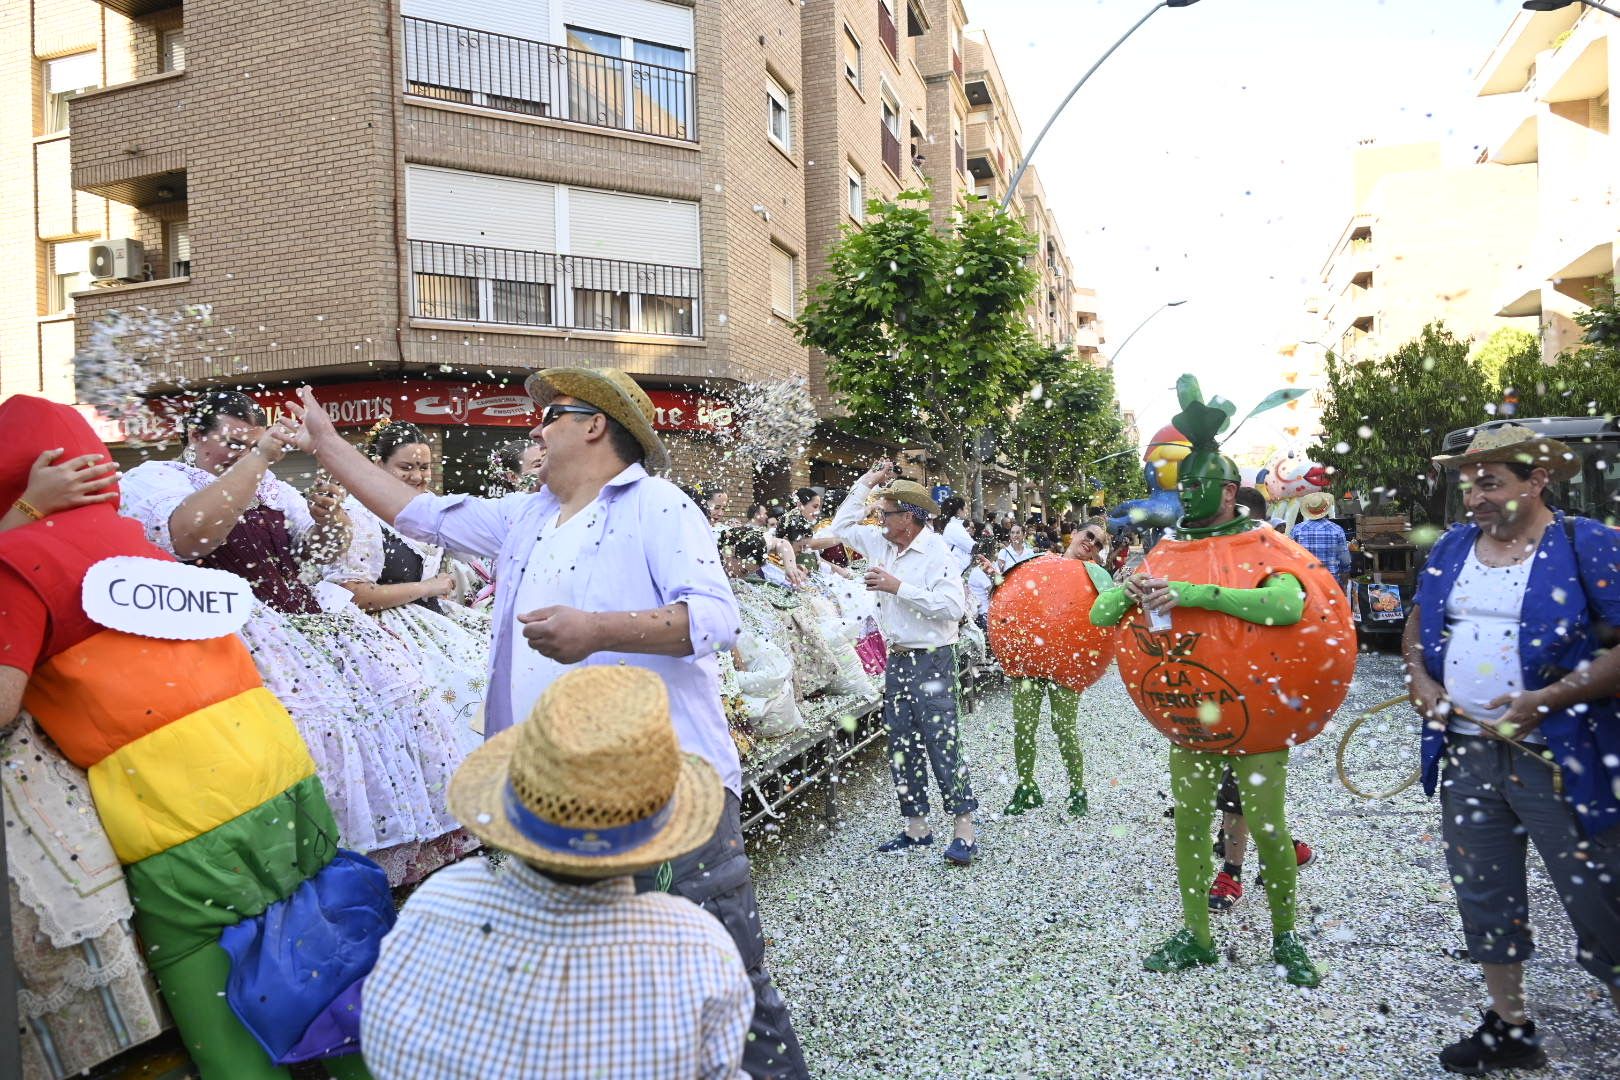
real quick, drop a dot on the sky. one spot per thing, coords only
(1209, 160)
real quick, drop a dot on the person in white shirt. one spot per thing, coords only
(1016, 551)
(949, 524)
(920, 602)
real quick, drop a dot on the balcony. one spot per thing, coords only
(462, 283)
(536, 78)
(129, 140)
(891, 150)
(888, 33)
(135, 9)
(1579, 68)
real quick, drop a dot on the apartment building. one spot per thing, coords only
(1558, 69)
(411, 205)
(1425, 242)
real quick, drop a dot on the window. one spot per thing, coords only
(65, 78)
(172, 46)
(852, 58)
(598, 309)
(70, 273)
(177, 240)
(629, 84)
(888, 34)
(778, 115)
(784, 283)
(441, 296)
(521, 303)
(857, 195)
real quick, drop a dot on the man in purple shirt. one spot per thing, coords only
(605, 564)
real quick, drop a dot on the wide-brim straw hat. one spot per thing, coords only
(1515, 444)
(1318, 504)
(908, 491)
(610, 390)
(594, 783)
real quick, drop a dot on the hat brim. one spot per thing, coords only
(915, 498)
(477, 800)
(594, 388)
(1557, 458)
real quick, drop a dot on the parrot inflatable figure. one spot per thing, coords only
(1161, 469)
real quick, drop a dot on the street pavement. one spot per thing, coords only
(1028, 964)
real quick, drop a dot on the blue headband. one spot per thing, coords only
(591, 843)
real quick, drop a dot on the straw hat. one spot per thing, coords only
(1515, 444)
(1318, 504)
(610, 390)
(908, 491)
(594, 785)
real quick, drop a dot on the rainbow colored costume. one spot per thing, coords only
(257, 927)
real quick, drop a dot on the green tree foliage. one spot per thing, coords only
(1506, 343)
(1384, 419)
(924, 330)
(1584, 381)
(1069, 419)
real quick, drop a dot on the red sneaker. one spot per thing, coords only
(1303, 853)
(1226, 891)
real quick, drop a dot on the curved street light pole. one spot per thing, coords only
(1138, 330)
(1012, 186)
(1554, 5)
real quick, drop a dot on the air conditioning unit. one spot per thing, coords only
(118, 260)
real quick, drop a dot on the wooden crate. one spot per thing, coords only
(1371, 524)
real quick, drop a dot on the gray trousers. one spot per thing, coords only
(919, 715)
(1494, 799)
(718, 879)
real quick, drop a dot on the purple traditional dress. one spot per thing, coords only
(383, 741)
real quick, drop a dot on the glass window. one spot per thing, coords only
(598, 309)
(521, 303)
(891, 114)
(64, 78)
(441, 296)
(778, 115)
(173, 51)
(177, 239)
(70, 273)
(852, 57)
(857, 195)
(667, 315)
(595, 77)
(784, 287)
(662, 89)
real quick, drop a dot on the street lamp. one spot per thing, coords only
(1012, 185)
(1554, 5)
(1138, 330)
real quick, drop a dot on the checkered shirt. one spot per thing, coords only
(1325, 540)
(507, 974)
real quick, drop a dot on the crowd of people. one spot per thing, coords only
(570, 669)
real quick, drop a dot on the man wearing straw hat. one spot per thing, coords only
(1320, 535)
(553, 964)
(920, 603)
(1504, 660)
(606, 565)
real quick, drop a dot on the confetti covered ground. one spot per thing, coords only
(1028, 964)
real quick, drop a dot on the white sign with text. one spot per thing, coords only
(159, 599)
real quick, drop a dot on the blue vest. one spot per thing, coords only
(1555, 635)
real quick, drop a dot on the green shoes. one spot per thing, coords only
(1078, 807)
(1288, 952)
(1025, 797)
(1181, 953)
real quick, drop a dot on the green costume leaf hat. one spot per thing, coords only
(1207, 471)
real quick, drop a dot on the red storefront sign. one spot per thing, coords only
(445, 403)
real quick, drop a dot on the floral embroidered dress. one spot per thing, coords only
(451, 640)
(384, 744)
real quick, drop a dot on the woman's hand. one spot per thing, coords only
(275, 440)
(79, 481)
(439, 585)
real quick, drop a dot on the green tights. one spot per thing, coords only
(1263, 781)
(1028, 695)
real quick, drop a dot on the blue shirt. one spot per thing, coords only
(649, 547)
(1555, 636)
(1326, 543)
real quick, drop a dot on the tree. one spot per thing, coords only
(924, 330)
(1504, 344)
(1384, 419)
(1069, 420)
(1584, 381)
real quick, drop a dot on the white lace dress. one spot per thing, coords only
(451, 640)
(384, 743)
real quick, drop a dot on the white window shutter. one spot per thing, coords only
(634, 228)
(646, 20)
(783, 287)
(70, 73)
(453, 207)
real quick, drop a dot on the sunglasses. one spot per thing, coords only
(550, 413)
(891, 513)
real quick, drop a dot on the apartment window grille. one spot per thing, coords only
(852, 58)
(779, 115)
(172, 50)
(521, 303)
(65, 78)
(70, 273)
(784, 282)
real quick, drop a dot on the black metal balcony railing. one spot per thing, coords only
(891, 150)
(464, 283)
(536, 78)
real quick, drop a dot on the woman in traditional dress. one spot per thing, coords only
(403, 583)
(383, 743)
